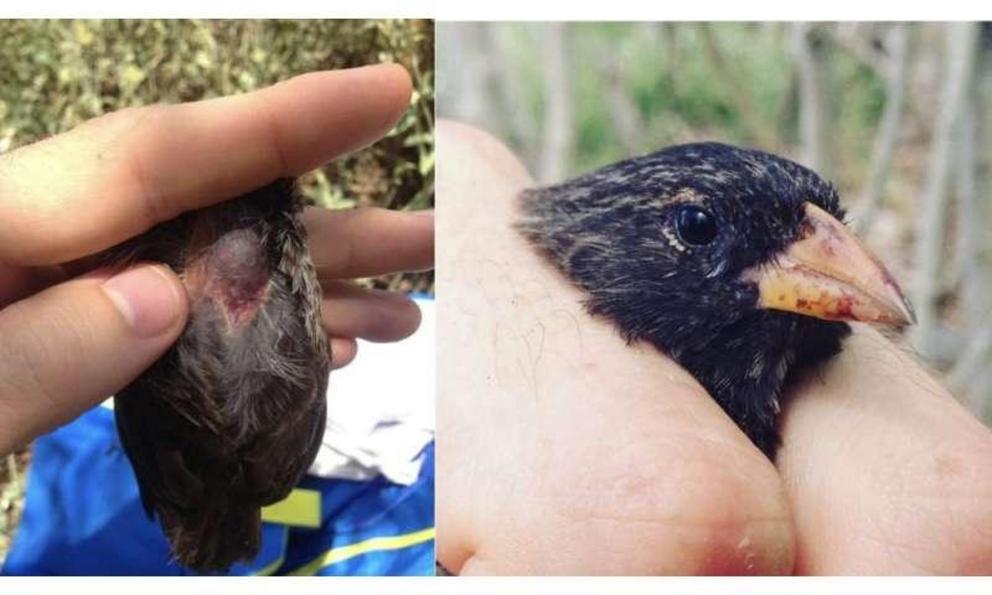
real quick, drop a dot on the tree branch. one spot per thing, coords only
(896, 79)
(814, 109)
(559, 114)
(626, 115)
(960, 60)
(756, 129)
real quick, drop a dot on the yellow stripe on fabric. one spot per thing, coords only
(273, 566)
(301, 508)
(269, 569)
(376, 544)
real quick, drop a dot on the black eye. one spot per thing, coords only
(695, 225)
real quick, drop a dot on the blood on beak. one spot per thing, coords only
(827, 273)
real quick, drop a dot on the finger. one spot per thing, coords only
(368, 241)
(886, 472)
(77, 343)
(120, 174)
(343, 351)
(371, 314)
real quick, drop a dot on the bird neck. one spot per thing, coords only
(748, 365)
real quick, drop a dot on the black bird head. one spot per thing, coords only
(734, 262)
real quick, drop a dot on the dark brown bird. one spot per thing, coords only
(230, 418)
(734, 262)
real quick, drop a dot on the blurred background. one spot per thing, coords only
(898, 116)
(55, 75)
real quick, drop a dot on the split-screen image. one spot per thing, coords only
(397, 297)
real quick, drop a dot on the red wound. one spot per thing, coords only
(237, 274)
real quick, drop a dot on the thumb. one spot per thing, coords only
(69, 347)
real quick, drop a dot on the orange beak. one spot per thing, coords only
(828, 274)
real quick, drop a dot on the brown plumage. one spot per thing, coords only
(230, 418)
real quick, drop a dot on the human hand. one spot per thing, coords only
(567, 451)
(69, 337)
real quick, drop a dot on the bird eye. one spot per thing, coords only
(695, 225)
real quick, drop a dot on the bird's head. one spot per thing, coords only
(680, 245)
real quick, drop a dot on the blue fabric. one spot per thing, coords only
(355, 512)
(83, 516)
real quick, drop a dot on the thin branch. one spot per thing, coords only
(851, 37)
(472, 74)
(971, 219)
(627, 116)
(559, 114)
(886, 138)
(756, 128)
(972, 361)
(960, 60)
(814, 109)
(520, 118)
(974, 221)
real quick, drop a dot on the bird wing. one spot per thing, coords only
(157, 457)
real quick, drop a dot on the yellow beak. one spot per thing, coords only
(828, 274)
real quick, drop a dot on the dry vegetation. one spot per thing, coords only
(12, 471)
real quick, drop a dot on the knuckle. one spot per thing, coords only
(135, 133)
(706, 514)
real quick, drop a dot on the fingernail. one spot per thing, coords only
(147, 299)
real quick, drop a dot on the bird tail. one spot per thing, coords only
(213, 541)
